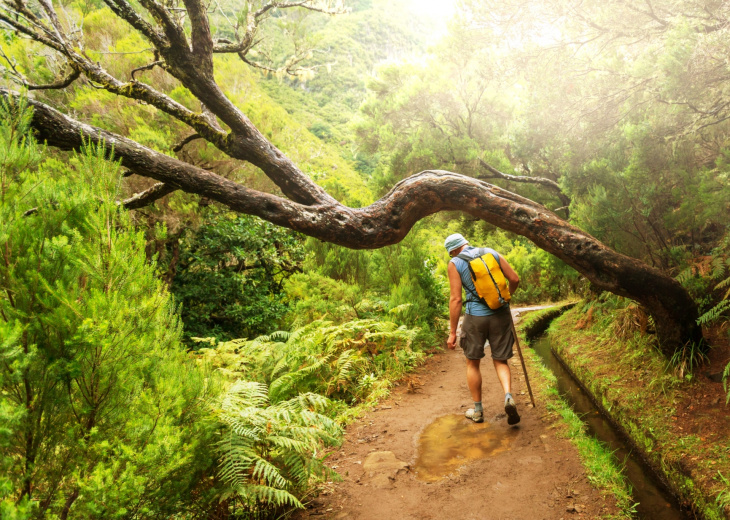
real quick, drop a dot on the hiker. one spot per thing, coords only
(485, 318)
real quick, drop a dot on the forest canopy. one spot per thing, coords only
(188, 42)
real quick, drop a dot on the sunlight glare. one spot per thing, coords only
(440, 11)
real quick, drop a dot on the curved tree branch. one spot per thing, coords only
(224, 45)
(17, 76)
(548, 183)
(389, 219)
(143, 68)
(189, 139)
(59, 84)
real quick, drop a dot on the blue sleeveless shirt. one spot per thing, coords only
(474, 306)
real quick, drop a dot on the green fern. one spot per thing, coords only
(686, 274)
(274, 414)
(321, 357)
(719, 272)
(714, 313)
(724, 284)
(269, 452)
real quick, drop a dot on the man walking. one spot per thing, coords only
(481, 324)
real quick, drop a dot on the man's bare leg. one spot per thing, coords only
(474, 382)
(474, 379)
(503, 373)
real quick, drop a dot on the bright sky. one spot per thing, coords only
(439, 10)
(436, 7)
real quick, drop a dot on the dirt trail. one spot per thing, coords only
(525, 472)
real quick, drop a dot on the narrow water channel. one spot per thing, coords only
(654, 502)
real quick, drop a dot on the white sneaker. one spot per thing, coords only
(477, 417)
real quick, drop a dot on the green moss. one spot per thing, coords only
(630, 378)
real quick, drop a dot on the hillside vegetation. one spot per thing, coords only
(182, 360)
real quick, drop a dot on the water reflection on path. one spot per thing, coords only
(452, 441)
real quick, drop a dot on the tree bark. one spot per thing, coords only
(148, 196)
(388, 220)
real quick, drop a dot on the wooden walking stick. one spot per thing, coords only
(522, 359)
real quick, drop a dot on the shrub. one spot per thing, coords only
(100, 411)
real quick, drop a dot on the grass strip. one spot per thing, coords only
(603, 470)
(630, 379)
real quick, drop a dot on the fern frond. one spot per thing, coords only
(289, 444)
(266, 471)
(686, 275)
(724, 283)
(717, 266)
(280, 387)
(715, 313)
(267, 451)
(279, 336)
(257, 493)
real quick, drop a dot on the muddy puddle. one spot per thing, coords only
(453, 441)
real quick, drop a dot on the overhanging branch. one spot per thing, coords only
(388, 220)
(189, 139)
(61, 83)
(548, 183)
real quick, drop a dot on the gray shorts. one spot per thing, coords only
(497, 329)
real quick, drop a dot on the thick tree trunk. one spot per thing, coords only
(388, 220)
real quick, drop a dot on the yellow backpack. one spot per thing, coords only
(489, 280)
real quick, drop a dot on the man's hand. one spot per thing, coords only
(451, 343)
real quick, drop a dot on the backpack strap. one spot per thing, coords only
(473, 292)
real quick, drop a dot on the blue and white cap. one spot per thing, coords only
(454, 241)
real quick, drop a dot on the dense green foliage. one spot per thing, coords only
(230, 275)
(351, 363)
(102, 411)
(400, 281)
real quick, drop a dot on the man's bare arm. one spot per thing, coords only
(510, 274)
(454, 304)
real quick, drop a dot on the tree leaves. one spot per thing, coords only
(100, 410)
